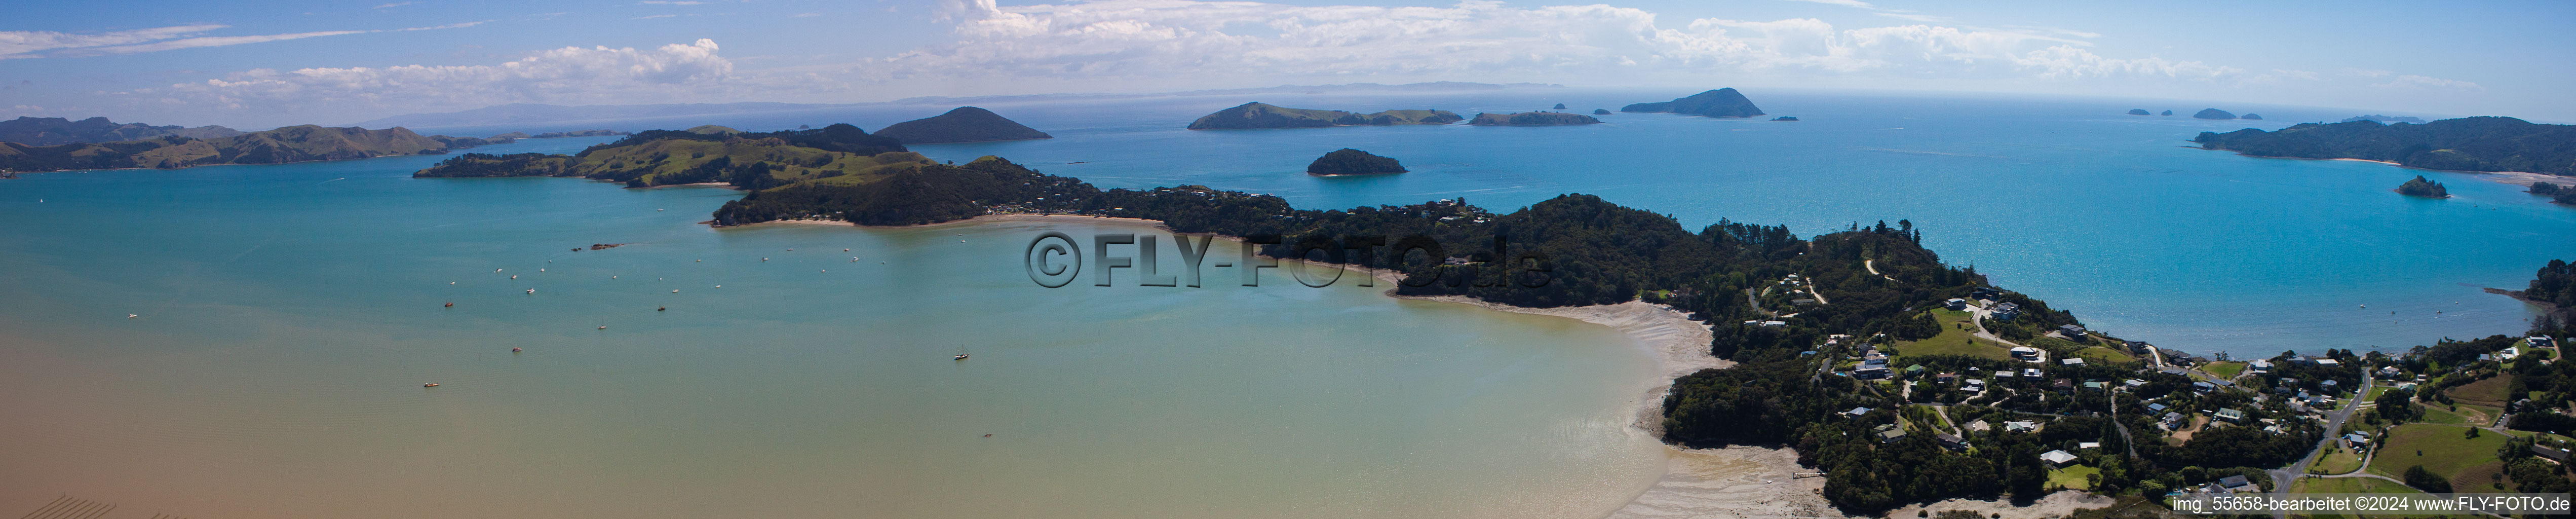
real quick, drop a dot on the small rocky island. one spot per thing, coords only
(1600, 111)
(1784, 118)
(1258, 115)
(1348, 161)
(1533, 119)
(2423, 188)
(2213, 113)
(964, 124)
(1723, 102)
(2139, 111)
(1560, 106)
(2168, 112)
(2251, 117)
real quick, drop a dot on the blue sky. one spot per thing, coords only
(256, 65)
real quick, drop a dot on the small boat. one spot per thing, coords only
(432, 384)
(603, 327)
(961, 356)
(661, 309)
(514, 276)
(514, 350)
(131, 316)
(451, 305)
(532, 291)
(961, 352)
(845, 250)
(675, 291)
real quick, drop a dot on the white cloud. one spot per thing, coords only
(211, 41)
(566, 75)
(395, 4)
(25, 44)
(1171, 38)
(653, 16)
(2415, 82)
(1845, 3)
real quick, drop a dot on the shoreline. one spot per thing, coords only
(2518, 178)
(1735, 481)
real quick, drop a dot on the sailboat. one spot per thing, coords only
(961, 352)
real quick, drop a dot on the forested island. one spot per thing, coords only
(1348, 161)
(1723, 102)
(2139, 111)
(51, 131)
(2555, 192)
(2464, 144)
(2423, 188)
(1258, 115)
(1532, 119)
(839, 153)
(2213, 113)
(279, 146)
(963, 124)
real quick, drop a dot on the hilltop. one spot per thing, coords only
(1260, 115)
(1723, 102)
(2465, 144)
(964, 124)
(279, 146)
(1348, 161)
(705, 154)
(50, 131)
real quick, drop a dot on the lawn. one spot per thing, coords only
(2103, 354)
(2350, 486)
(2225, 370)
(2072, 476)
(2434, 413)
(2489, 392)
(1951, 341)
(2375, 391)
(2445, 450)
(2337, 461)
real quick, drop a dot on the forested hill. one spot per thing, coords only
(2465, 144)
(279, 146)
(50, 131)
(839, 153)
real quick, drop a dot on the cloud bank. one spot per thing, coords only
(566, 75)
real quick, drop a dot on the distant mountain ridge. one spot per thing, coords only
(49, 131)
(1262, 115)
(524, 113)
(279, 146)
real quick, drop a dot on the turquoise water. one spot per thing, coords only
(289, 315)
(2111, 216)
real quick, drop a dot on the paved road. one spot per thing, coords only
(2284, 476)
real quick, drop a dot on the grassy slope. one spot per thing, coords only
(2337, 461)
(2446, 451)
(2225, 370)
(2072, 476)
(1951, 341)
(2489, 392)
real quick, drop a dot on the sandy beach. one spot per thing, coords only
(2519, 178)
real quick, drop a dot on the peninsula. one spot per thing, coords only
(1532, 119)
(963, 124)
(279, 146)
(839, 153)
(1258, 115)
(1723, 102)
(51, 131)
(1348, 161)
(2465, 144)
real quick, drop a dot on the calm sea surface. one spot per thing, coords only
(289, 314)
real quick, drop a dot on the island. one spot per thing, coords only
(1723, 102)
(1348, 161)
(2139, 111)
(964, 124)
(2383, 119)
(2255, 117)
(1533, 119)
(838, 153)
(2168, 112)
(1259, 115)
(1600, 111)
(2423, 188)
(2213, 113)
(2464, 144)
(2556, 193)
(1784, 118)
(279, 146)
(52, 131)
(1560, 106)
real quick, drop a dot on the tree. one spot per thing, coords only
(2424, 480)
(2397, 405)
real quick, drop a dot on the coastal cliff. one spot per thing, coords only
(1259, 115)
(1723, 102)
(963, 124)
(2465, 144)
